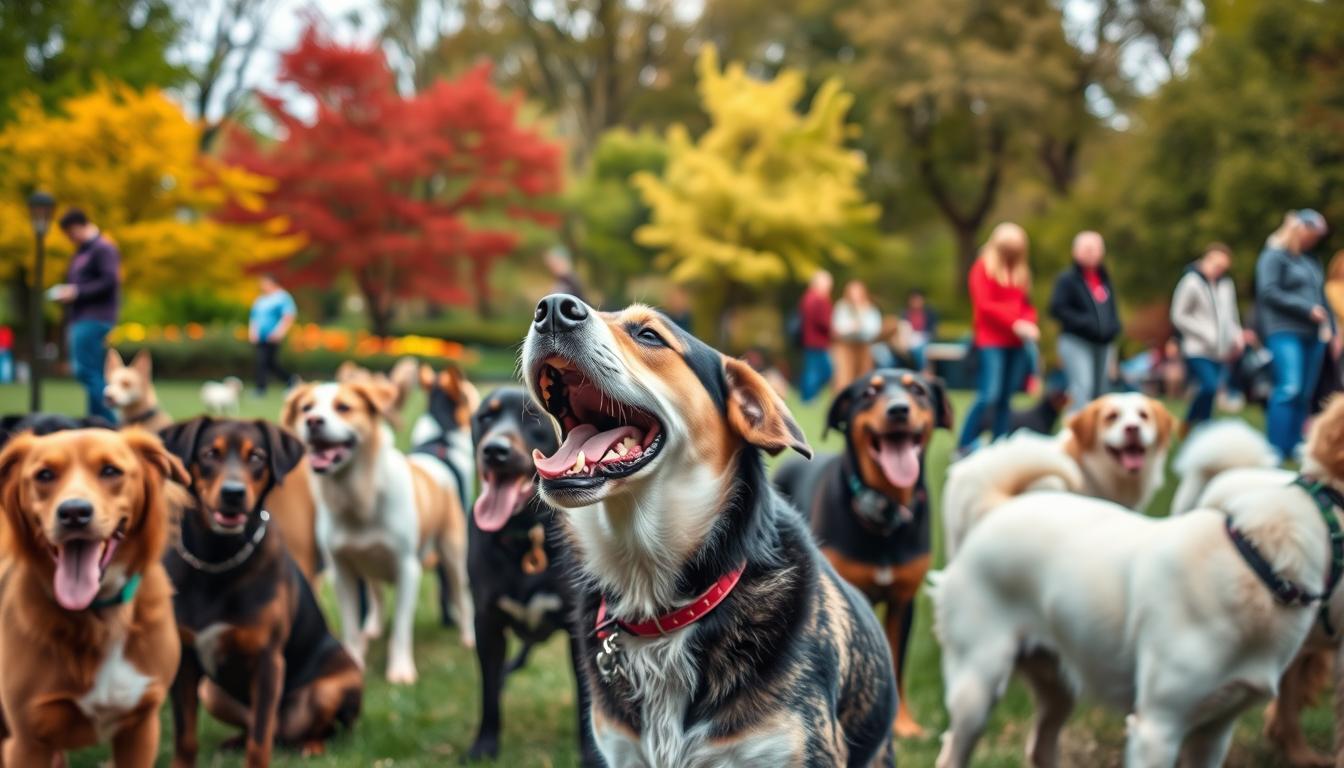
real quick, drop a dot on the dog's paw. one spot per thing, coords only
(482, 749)
(905, 726)
(401, 673)
(314, 748)
(468, 640)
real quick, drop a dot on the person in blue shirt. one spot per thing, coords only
(272, 316)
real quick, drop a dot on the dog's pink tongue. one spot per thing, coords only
(1132, 461)
(76, 582)
(321, 458)
(586, 438)
(498, 500)
(900, 462)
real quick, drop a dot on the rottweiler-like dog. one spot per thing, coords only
(246, 615)
(869, 508)
(714, 632)
(518, 578)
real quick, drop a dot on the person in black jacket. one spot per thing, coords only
(92, 297)
(1083, 301)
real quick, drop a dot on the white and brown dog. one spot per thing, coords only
(1115, 449)
(130, 391)
(380, 513)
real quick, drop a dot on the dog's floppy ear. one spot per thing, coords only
(285, 450)
(154, 452)
(837, 417)
(1083, 424)
(181, 439)
(112, 362)
(10, 505)
(757, 414)
(142, 364)
(944, 418)
(289, 412)
(1325, 443)
(1166, 423)
(379, 393)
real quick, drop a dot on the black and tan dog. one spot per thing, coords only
(518, 582)
(714, 632)
(868, 506)
(246, 615)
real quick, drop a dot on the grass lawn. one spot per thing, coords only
(433, 722)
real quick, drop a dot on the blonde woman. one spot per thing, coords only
(856, 323)
(1290, 308)
(1004, 322)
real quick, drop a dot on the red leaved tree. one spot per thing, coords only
(413, 197)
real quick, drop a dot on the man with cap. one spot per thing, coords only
(1290, 308)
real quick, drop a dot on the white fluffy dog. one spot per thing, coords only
(221, 398)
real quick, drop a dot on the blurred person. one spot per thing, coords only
(561, 267)
(1290, 307)
(91, 294)
(1204, 313)
(923, 325)
(856, 324)
(6, 354)
(273, 314)
(1004, 323)
(814, 314)
(1083, 301)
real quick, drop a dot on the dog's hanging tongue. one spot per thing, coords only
(77, 574)
(586, 439)
(899, 460)
(498, 500)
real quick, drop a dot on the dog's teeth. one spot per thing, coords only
(580, 462)
(611, 456)
(537, 455)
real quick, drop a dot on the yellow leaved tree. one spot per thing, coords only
(764, 197)
(131, 160)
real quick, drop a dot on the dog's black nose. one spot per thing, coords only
(232, 492)
(74, 513)
(559, 313)
(898, 411)
(314, 422)
(1132, 431)
(495, 452)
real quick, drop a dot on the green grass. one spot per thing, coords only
(433, 722)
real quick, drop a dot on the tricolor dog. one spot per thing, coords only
(712, 630)
(869, 506)
(86, 616)
(380, 513)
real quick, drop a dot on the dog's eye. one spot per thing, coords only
(649, 336)
(110, 470)
(210, 454)
(44, 475)
(306, 407)
(342, 408)
(1111, 417)
(1143, 416)
(916, 388)
(870, 392)
(256, 459)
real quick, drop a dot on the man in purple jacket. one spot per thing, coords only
(91, 295)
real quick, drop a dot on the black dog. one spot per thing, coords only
(247, 617)
(513, 557)
(1043, 416)
(46, 423)
(868, 506)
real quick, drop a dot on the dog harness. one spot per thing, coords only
(1285, 591)
(234, 560)
(123, 596)
(870, 505)
(609, 656)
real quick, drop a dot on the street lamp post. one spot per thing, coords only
(40, 208)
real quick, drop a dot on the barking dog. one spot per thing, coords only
(247, 618)
(868, 506)
(1182, 622)
(517, 582)
(86, 623)
(130, 391)
(713, 631)
(381, 512)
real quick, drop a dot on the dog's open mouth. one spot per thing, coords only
(80, 565)
(1132, 456)
(502, 495)
(602, 438)
(897, 454)
(325, 454)
(228, 520)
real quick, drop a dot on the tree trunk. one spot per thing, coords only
(376, 307)
(967, 247)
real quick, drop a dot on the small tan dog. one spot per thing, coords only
(130, 391)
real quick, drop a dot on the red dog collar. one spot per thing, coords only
(679, 619)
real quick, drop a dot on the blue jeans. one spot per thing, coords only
(88, 351)
(1002, 370)
(1207, 375)
(1297, 367)
(816, 372)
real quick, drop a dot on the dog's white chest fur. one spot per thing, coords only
(534, 612)
(206, 643)
(663, 675)
(117, 689)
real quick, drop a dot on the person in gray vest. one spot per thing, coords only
(1204, 313)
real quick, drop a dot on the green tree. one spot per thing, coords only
(607, 209)
(59, 49)
(763, 198)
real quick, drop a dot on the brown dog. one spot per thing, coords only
(86, 623)
(130, 391)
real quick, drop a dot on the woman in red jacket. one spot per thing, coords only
(1004, 322)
